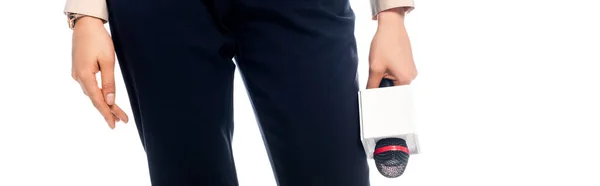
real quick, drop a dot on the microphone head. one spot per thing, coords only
(391, 156)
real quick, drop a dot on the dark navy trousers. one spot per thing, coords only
(298, 60)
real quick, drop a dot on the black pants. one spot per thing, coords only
(298, 60)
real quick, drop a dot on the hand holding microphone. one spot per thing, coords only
(387, 126)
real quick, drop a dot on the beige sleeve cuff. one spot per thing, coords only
(381, 5)
(94, 8)
(97, 8)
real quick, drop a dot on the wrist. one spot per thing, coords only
(391, 18)
(88, 21)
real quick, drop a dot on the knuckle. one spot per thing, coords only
(414, 74)
(106, 58)
(108, 85)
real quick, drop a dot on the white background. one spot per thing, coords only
(507, 95)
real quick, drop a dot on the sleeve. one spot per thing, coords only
(94, 8)
(381, 5)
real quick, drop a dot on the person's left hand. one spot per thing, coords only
(391, 54)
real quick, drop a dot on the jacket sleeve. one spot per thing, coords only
(381, 5)
(94, 8)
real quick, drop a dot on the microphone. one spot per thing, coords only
(388, 131)
(391, 154)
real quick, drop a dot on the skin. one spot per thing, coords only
(390, 57)
(391, 53)
(93, 52)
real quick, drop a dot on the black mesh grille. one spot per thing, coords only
(391, 164)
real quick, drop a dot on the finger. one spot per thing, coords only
(119, 113)
(403, 75)
(82, 87)
(400, 80)
(394, 79)
(107, 72)
(375, 76)
(390, 77)
(95, 95)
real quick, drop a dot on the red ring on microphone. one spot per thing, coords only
(391, 148)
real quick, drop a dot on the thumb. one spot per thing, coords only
(107, 71)
(375, 76)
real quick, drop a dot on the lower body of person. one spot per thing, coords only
(298, 60)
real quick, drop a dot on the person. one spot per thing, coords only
(298, 60)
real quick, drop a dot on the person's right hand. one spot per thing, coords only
(93, 52)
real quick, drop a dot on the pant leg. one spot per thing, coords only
(299, 62)
(176, 61)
